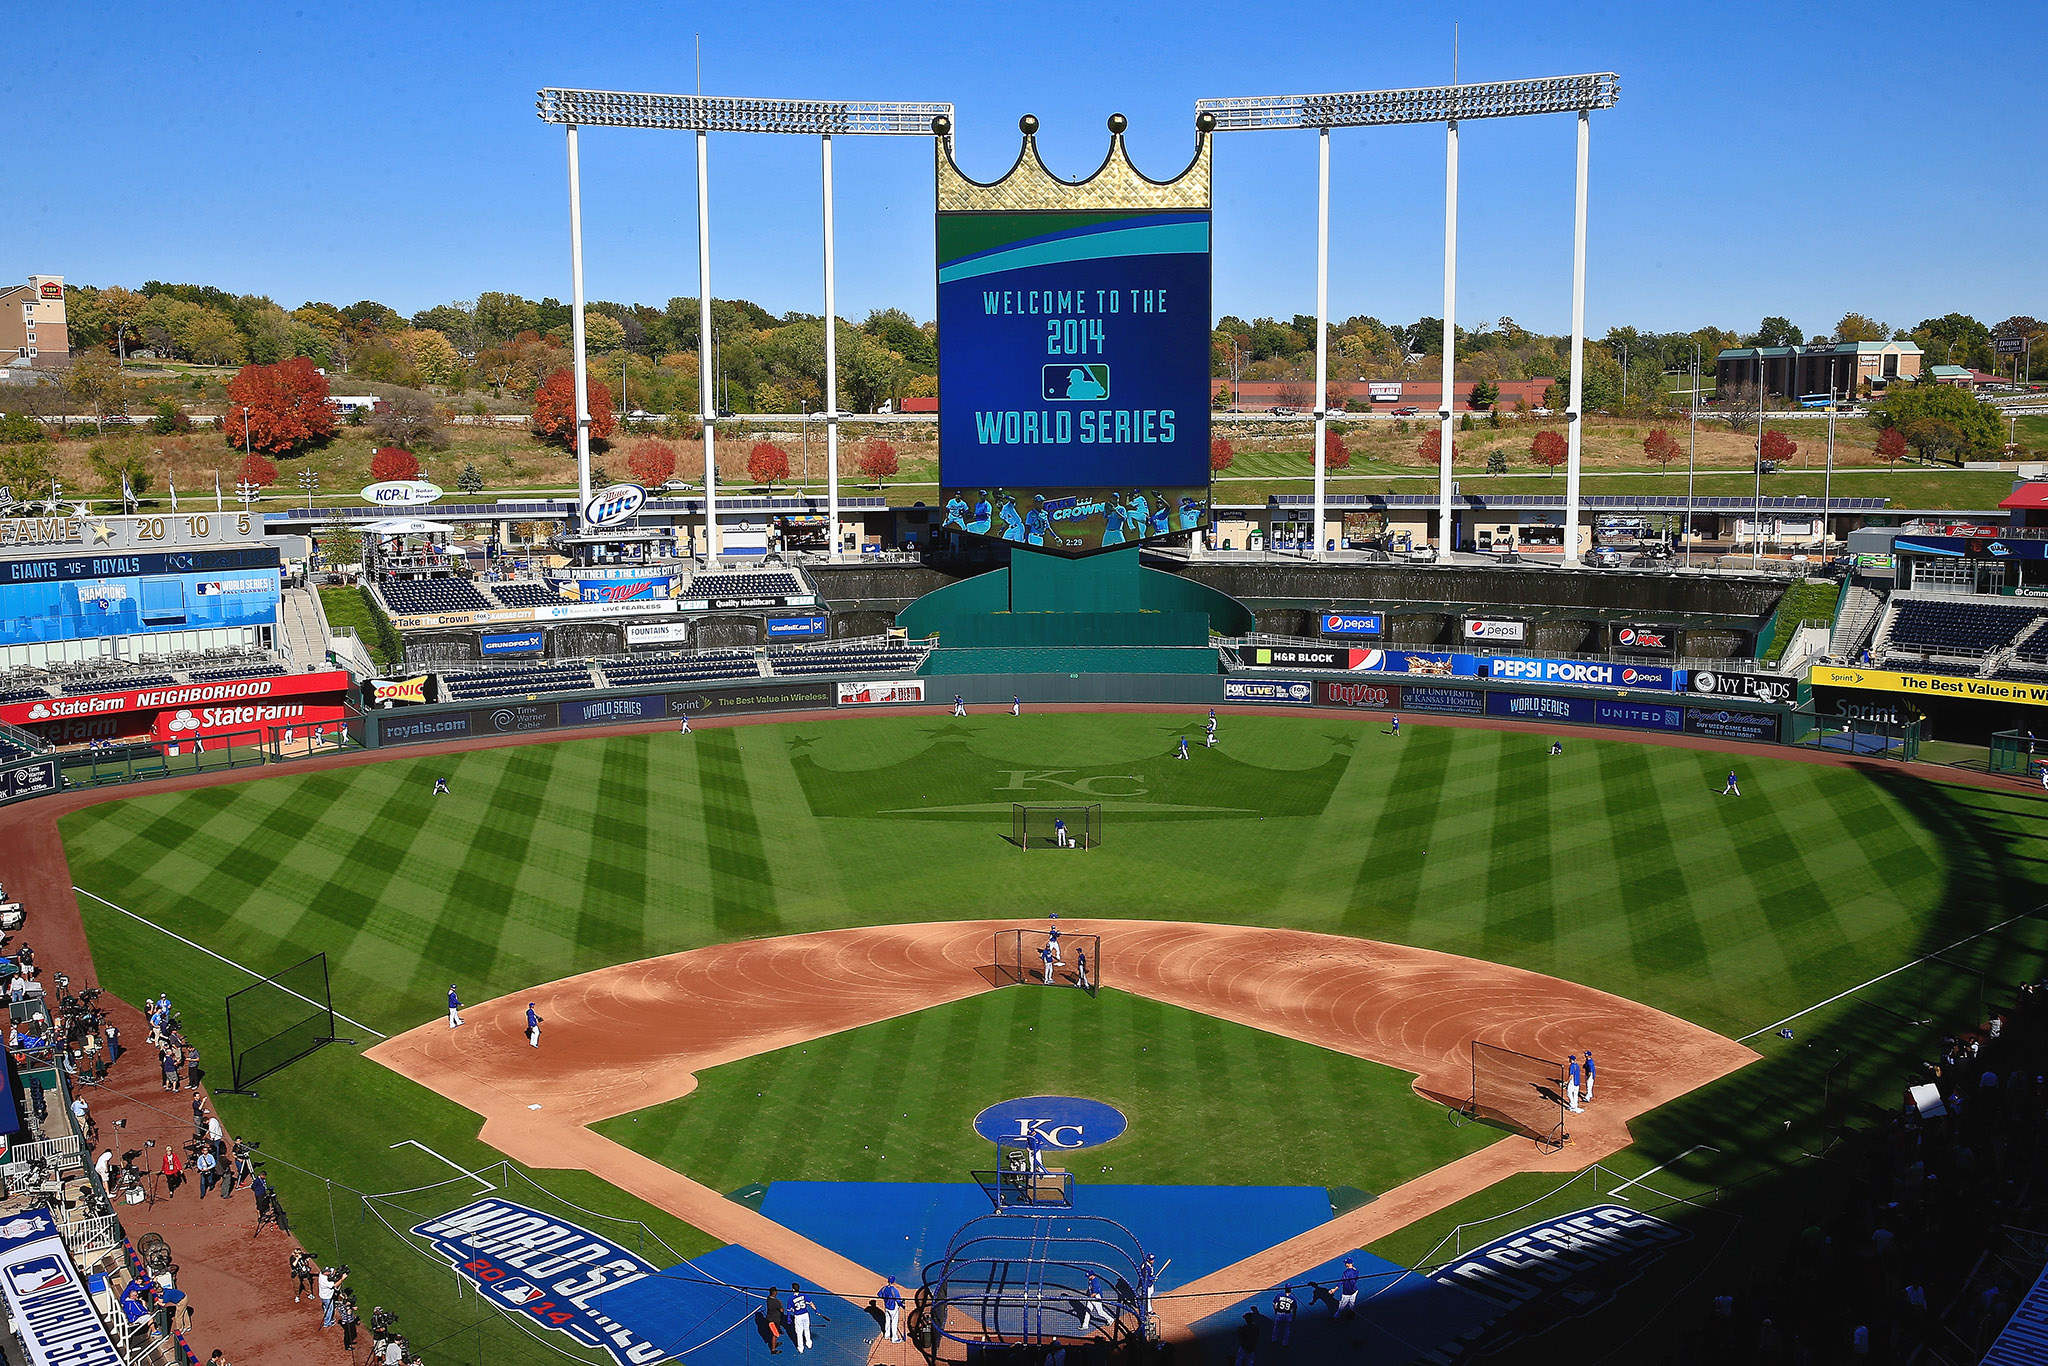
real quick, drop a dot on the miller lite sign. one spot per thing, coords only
(613, 504)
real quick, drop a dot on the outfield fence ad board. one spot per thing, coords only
(1755, 726)
(1931, 685)
(881, 694)
(1280, 691)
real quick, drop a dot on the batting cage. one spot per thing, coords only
(275, 1022)
(1024, 1278)
(1519, 1092)
(1019, 956)
(1019, 1183)
(1056, 827)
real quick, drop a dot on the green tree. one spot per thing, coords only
(471, 480)
(113, 459)
(1855, 327)
(1962, 423)
(340, 544)
(1776, 332)
(1496, 462)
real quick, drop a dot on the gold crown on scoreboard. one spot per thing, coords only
(1028, 186)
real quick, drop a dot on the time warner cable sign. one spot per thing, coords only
(553, 1272)
(1074, 353)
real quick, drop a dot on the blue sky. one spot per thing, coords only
(1764, 159)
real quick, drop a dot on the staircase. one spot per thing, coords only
(301, 628)
(1860, 613)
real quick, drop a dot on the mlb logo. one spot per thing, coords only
(1075, 383)
(37, 1275)
(517, 1292)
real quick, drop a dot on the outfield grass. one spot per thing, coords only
(1209, 1102)
(1615, 864)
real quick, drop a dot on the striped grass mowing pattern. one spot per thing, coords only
(1209, 1102)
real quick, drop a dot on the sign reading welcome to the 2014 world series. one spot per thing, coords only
(1074, 364)
(553, 1272)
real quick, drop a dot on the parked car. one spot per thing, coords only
(1410, 411)
(1283, 411)
(1422, 554)
(1605, 557)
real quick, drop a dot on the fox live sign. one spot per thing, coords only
(1074, 360)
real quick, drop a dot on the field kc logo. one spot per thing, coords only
(1064, 1122)
(1028, 779)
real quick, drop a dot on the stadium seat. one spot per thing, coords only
(514, 682)
(1962, 627)
(526, 595)
(750, 584)
(419, 597)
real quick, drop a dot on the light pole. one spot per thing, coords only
(245, 433)
(246, 490)
(1756, 513)
(803, 424)
(309, 481)
(1827, 488)
(1692, 449)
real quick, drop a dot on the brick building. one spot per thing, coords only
(32, 327)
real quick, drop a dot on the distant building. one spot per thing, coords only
(1795, 372)
(1375, 395)
(32, 327)
(1965, 378)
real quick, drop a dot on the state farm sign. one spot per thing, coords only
(177, 695)
(189, 722)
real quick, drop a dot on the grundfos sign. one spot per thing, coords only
(186, 695)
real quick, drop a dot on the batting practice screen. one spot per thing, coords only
(1011, 1278)
(1056, 827)
(1020, 957)
(275, 1022)
(1523, 1093)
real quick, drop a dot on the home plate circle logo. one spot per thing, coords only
(1064, 1122)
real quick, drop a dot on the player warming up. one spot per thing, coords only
(1209, 737)
(532, 1025)
(454, 1007)
(1587, 1096)
(440, 786)
(686, 726)
(892, 1311)
(1182, 752)
(1016, 706)
(1571, 1085)
(1052, 941)
(1730, 789)
(959, 705)
(1081, 968)
(1045, 957)
(1059, 833)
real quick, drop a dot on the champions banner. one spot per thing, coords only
(1074, 353)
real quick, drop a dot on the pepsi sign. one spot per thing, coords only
(1353, 623)
(1642, 638)
(613, 504)
(1065, 1122)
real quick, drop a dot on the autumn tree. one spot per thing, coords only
(1891, 445)
(1777, 447)
(97, 380)
(1661, 446)
(1431, 449)
(287, 405)
(408, 419)
(652, 462)
(768, 463)
(877, 460)
(257, 470)
(1221, 453)
(1335, 456)
(554, 409)
(1549, 449)
(394, 462)
(1738, 404)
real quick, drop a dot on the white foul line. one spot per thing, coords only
(1893, 973)
(324, 1005)
(415, 1143)
(1695, 1148)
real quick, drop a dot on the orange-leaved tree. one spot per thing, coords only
(1549, 449)
(652, 461)
(554, 409)
(394, 462)
(287, 407)
(1779, 447)
(1661, 446)
(1891, 445)
(1221, 453)
(1335, 457)
(767, 463)
(1432, 447)
(257, 470)
(877, 460)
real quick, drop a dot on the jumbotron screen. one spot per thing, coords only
(1074, 376)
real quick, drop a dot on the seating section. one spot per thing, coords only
(230, 671)
(681, 668)
(894, 657)
(417, 597)
(516, 682)
(117, 682)
(1962, 627)
(525, 594)
(752, 584)
(22, 694)
(13, 749)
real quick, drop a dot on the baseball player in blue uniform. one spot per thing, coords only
(1571, 1085)
(983, 514)
(1587, 1097)
(532, 1025)
(959, 705)
(1052, 941)
(454, 1007)
(1045, 957)
(1148, 1282)
(1034, 1144)
(1093, 1308)
(1397, 725)
(1347, 1290)
(1730, 789)
(1182, 752)
(1283, 1315)
(956, 512)
(1037, 522)
(800, 1318)
(1081, 968)
(892, 1311)
(440, 786)
(1016, 706)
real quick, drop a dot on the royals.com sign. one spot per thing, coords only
(550, 1271)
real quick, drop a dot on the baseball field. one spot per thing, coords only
(1614, 869)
